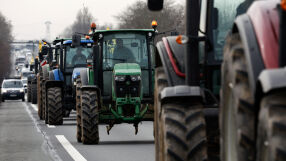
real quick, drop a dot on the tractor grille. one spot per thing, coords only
(127, 87)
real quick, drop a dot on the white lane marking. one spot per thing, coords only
(35, 107)
(70, 149)
(51, 126)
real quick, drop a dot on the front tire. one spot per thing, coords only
(89, 117)
(237, 111)
(160, 83)
(39, 91)
(54, 106)
(180, 128)
(34, 93)
(271, 143)
(29, 92)
(78, 110)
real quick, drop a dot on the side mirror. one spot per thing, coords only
(76, 40)
(155, 5)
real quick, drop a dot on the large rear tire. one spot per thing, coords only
(180, 132)
(34, 93)
(39, 91)
(44, 102)
(89, 117)
(160, 83)
(78, 110)
(237, 111)
(54, 106)
(271, 143)
(29, 99)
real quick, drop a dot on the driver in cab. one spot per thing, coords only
(79, 58)
(122, 53)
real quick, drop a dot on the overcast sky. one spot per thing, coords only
(28, 17)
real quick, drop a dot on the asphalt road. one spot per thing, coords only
(24, 137)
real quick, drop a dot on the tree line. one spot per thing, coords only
(5, 52)
(135, 16)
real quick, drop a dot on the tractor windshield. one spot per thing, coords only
(227, 11)
(129, 47)
(77, 56)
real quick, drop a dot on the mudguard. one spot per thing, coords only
(244, 27)
(53, 83)
(272, 79)
(45, 70)
(174, 70)
(181, 92)
(58, 75)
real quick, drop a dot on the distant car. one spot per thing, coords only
(25, 73)
(12, 89)
(20, 59)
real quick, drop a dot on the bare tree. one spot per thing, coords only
(138, 16)
(5, 39)
(81, 24)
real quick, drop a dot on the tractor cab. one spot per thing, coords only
(70, 59)
(126, 57)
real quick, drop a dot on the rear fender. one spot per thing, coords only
(255, 65)
(53, 83)
(174, 71)
(45, 69)
(181, 93)
(272, 79)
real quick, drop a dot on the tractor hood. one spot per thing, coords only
(76, 72)
(127, 69)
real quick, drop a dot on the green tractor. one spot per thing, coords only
(118, 84)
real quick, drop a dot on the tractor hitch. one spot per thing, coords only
(136, 128)
(108, 128)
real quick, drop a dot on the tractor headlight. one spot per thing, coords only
(135, 78)
(120, 78)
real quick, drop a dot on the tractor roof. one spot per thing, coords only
(125, 30)
(81, 41)
(69, 41)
